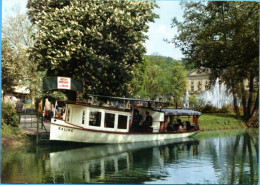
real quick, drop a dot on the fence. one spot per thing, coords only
(30, 118)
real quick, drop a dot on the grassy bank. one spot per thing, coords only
(12, 136)
(217, 121)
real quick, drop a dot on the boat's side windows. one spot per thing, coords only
(122, 122)
(68, 115)
(95, 118)
(109, 120)
(83, 117)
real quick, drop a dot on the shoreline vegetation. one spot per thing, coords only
(220, 121)
(15, 137)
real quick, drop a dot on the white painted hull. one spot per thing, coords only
(62, 131)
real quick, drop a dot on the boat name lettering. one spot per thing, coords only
(66, 129)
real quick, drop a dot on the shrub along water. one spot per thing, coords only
(212, 109)
(9, 115)
(10, 132)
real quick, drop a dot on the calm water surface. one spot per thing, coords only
(223, 157)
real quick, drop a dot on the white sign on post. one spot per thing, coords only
(64, 83)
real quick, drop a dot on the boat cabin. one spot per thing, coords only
(97, 118)
(137, 119)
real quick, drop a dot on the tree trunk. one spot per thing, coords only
(235, 100)
(250, 97)
(243, 94)
(253, 120)
(235, 105)
(256, 107)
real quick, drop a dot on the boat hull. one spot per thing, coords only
(67, 132)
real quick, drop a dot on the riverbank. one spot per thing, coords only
(13, 136)
(220, 121)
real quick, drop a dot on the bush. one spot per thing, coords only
(9, 131)
(209, 109)
(9, 115)
(225, 109)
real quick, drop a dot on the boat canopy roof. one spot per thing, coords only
(120, 98)
(179, 112)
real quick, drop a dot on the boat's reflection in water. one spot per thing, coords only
(118, 163)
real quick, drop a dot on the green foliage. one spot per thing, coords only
(10, 69)
(9, 115)
(94, 41)
(138, 78)
(209, 109)
(8, 131)
(162, 78)
(218, 34)
(193, 100)
(55, 95)
(17, 68)
(188, 65)
(224, 36)
(225, 109)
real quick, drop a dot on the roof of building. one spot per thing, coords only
(198, 72)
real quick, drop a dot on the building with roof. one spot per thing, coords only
(198, 80)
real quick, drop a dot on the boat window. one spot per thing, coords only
(109, 120)
(83, 117)
(68, 115)
(122, 122)
(95, 118)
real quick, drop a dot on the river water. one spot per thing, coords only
(219, 157)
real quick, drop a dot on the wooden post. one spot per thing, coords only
(37, 134)
(42, 111)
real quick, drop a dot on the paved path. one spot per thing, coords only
(31, 129)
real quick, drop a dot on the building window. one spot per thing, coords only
(83, 117)
(95, 118)
(207, 86)
(199, 86)
(109, 120)
(122, 122)
(192, 88)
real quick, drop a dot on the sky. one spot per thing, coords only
(159, 30)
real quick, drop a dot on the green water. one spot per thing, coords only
(224, 157)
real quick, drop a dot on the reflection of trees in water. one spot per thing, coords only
(234, 156)
(234, 160)
(246, 171)
(133, 166)
(241, 164)
(16, 165)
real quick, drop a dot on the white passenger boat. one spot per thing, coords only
(135, 121)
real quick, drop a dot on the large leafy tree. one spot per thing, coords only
(17, 33)
(224, 36)
(10, 67)
(160, 78)
(97, 42)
